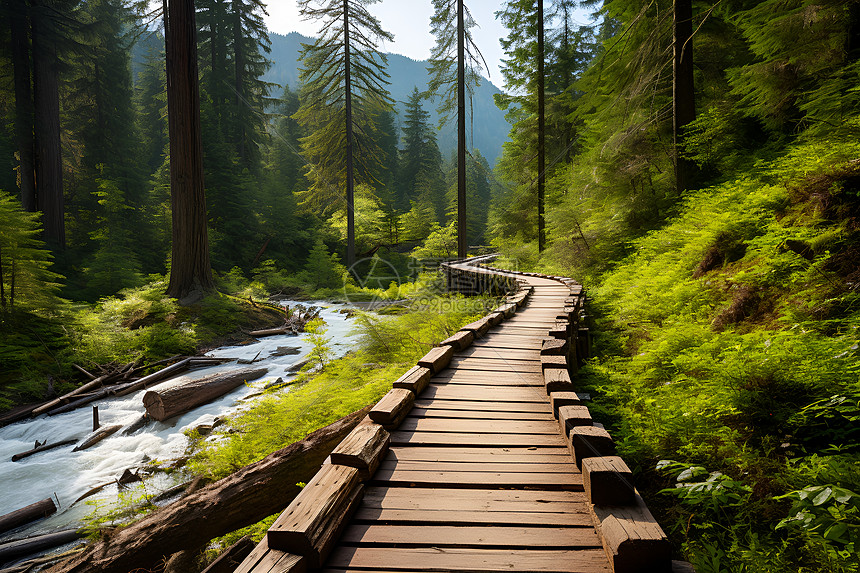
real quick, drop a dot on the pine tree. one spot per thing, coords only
(455, 67)
(344, 84)
(26, 280)
(420, 176)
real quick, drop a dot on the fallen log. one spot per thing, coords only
(97, 437)
(30, 545)
(165, 404)
(42, 448)
(84, 372)
(232, 557)
(274, 331)
(25, 566)
(135, 426)
(100, 381)
(29, 513)
(159, 376)
(241, 499)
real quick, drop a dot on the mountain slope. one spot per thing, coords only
(490, 127)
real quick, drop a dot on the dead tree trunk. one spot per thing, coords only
(30, 513)
(165, 404)
(254, 492)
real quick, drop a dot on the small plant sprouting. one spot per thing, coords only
(321, 353)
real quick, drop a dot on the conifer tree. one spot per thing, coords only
(344, 83)
(455, 67)
(420, 173)
(190, 270)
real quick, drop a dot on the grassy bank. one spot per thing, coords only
(728, 365)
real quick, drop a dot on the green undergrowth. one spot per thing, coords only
(729, 352)
(385, 347)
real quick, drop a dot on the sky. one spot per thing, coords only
(409, 21)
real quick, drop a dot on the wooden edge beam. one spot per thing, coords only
(264, 559)
(363, 448)
(572, 416)
(393, 407)
(552, 361)
(495, 318)
(632, 538)
(438, 358)
(589, 441)
(478, 327)
(608, 481)
(559, 399)
(311, 524)
(557, 380)
(460, 340)
(416, 379)
(554, 347)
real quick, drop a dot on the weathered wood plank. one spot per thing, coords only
(632, 538)
(459, 439)
(484, 393)
(608, 481)
(437, 359)
(494, 352)
(496, 365)
(501, 466)
(475, 536)
(469, 405)
(457, 559)
(513, 455)
(425, 478)
(478, 415)
(460, 339)
(479, 426)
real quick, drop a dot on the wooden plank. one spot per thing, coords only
(490, 377)
(501, 466)
(467, 439)
(460, 339)
(493, 352)
(495, 365)
(479, 415)
(263, 559)
(468, 405)
(607, 481)
(487, 454)
(465, 559)
(484, 393)
(632, 538)
(463, 479)
(475, 536)
(423, 517)
(502, 341)
(443, 499)
(479, 426)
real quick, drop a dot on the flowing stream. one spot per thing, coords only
(65, 475)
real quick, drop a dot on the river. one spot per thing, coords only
(65, 475)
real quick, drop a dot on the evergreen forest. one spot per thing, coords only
(694, 164)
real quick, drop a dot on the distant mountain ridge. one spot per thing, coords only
(490, 126)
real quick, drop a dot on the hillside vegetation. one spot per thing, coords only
(726, 314)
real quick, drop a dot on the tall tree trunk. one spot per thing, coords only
(49, 159)
(350, 190)
(239, 60)
(462, 240)
(541, 150)
(853, 40)
(19, 26)
(190, 271)
(684, 103)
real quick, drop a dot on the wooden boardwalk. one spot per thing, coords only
(464, 466)
(478, 477)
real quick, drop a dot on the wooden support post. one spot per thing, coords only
(437, 359)
(608, 481)
(416, 379)
(311, 524)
